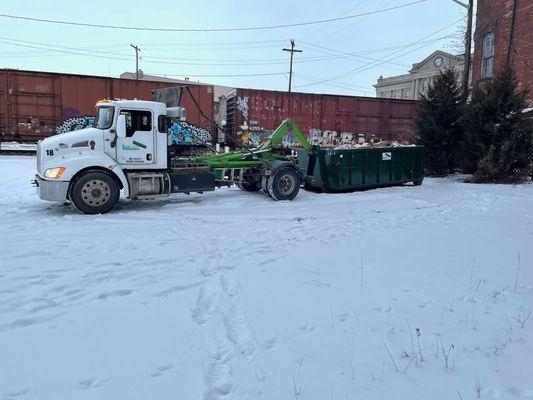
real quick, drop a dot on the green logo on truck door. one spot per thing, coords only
(134, 146)
(139, 144)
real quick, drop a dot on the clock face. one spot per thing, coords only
(438, 61)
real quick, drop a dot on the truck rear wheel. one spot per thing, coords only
(284, 184)
(252, 186)
(264, 185)
(94, 192)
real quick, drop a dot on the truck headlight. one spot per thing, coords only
(54, 173)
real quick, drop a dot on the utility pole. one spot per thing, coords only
(468, 44)
(137, 49)
(292, 51)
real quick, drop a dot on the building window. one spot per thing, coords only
(406, 93)
(395, 94)
(487, 61)
(424, 86)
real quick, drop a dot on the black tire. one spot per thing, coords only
(94, 192)
(417, 182)
(264, 185)
(249, 186)
(284, 183)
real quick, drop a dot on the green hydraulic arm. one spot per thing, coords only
(256, 157)
(288, 125)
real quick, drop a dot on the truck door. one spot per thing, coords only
(137, 148)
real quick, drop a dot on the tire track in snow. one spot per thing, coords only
(228, 339)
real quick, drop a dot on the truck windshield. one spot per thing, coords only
(104, 117)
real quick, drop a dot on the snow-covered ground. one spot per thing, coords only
(230, 295)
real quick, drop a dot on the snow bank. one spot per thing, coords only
(15, 146)
(230, 295)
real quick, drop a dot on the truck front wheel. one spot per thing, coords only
(94, 192)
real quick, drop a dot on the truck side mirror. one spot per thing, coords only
(121, 126)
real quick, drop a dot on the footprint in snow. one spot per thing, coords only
(231, 286)
(270, 343)
(427, 304)
(177, 288)
(161, 370)
(308, 328)
(524, 393)
(115, 293)
(204, 305)
(316, 283)
(388, 309)
(217, 373)
(17, 393)
(92, 383)
(237, 331)
(343, 317)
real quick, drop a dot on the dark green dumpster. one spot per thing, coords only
(338, 170)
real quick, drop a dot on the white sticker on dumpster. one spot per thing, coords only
(386, 156)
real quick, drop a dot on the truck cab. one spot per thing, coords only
(125, 149)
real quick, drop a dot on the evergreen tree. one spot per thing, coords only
(438, 124)
(499, 140)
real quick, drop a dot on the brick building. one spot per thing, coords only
(504, 30)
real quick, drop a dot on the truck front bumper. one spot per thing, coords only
(51, 190)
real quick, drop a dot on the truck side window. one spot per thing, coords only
(137, 121)
(162, 123)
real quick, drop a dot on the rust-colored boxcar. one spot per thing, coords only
(33, 103)
(263, 111)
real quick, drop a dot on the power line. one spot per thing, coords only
(325, 25)
(181, 60)
(342, 85)
(221, 75)
(348, 55)
(65, 51)
(250, 28)
(212, 43)
(351, 24)
(129, 59)
(380, 61)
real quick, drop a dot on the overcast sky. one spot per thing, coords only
(344, 57)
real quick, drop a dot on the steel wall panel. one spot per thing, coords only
(33, 103)
(386, 118)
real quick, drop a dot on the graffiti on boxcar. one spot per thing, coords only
(242, 106)
(254, 135)
(75, 123)
(180, 132)
(251, 132)
(183, 132)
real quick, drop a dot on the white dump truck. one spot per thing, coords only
(127, 149)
